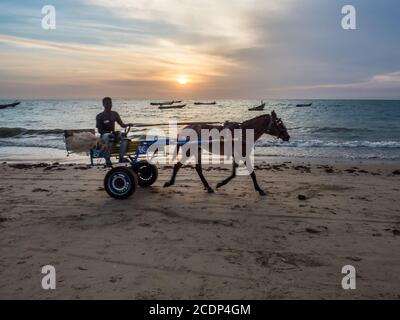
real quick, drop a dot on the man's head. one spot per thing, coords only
(107, 103)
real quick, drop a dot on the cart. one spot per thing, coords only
(122, 180)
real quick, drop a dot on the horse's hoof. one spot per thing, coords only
(219, 185)
(210, 190)
(262, 193)
(167, 184)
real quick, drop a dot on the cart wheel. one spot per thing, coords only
(120, 183)
(147, 173)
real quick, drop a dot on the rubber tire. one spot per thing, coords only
(129, 175)
(145, 183)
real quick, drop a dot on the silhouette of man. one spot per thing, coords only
(105, 124)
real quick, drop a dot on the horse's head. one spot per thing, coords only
(277, 128)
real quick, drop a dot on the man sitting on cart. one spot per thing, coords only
(105, 124)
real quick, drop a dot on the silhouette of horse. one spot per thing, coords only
(265, 124)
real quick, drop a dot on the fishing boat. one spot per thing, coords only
(166, 103)
(178, 106)
(304, 105)
(205, 103)
(10, 105)
(261, 107)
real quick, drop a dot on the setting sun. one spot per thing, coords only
(182, 80)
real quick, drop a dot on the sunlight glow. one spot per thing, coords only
(182, 80)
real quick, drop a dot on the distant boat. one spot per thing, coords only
(166, 103)
(10, 105)
(205, 103)
(258, 108)
(164, 107)
(304, 105)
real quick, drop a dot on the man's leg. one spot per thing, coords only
(108, 140)
(123, 147)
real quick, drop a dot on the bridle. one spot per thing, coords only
(269, 128)
(274, 123)
(270, 125)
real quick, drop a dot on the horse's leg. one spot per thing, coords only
(174, 173)
(200, 173)
(256, 186)
(232, 176)
(177, 167)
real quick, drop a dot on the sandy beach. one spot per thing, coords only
(182, 243)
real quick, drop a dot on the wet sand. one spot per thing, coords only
(183, 243)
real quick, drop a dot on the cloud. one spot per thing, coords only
(392, 78)
(387, 80)
(50, 45)
(235, 48)
(228, 24)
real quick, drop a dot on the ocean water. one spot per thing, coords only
(334, 129)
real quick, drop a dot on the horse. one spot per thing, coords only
(265, 124)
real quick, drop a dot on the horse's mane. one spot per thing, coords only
(256, 118)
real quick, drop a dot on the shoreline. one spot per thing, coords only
(259, 159)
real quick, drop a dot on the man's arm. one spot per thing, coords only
(121, 123)
(99, 124)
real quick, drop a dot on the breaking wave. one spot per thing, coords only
(340, 130)
(331, 144)
(15, 132)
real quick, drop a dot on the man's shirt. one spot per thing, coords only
(105, 121)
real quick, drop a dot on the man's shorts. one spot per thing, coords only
(107, 138)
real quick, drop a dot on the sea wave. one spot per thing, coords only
(46, 144)
(339, 130)
(15, 132)
(22, 132)
(330, 144)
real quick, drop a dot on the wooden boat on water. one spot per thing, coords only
(304, 105)
(165, 107)
(205, 103)
(166, 103)
(10, 105)
(261, 107)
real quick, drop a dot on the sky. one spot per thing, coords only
(208, 49)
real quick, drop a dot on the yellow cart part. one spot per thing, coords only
(132, 148)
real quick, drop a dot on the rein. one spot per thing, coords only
(268, 130)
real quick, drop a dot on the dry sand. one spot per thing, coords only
(182, 243)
